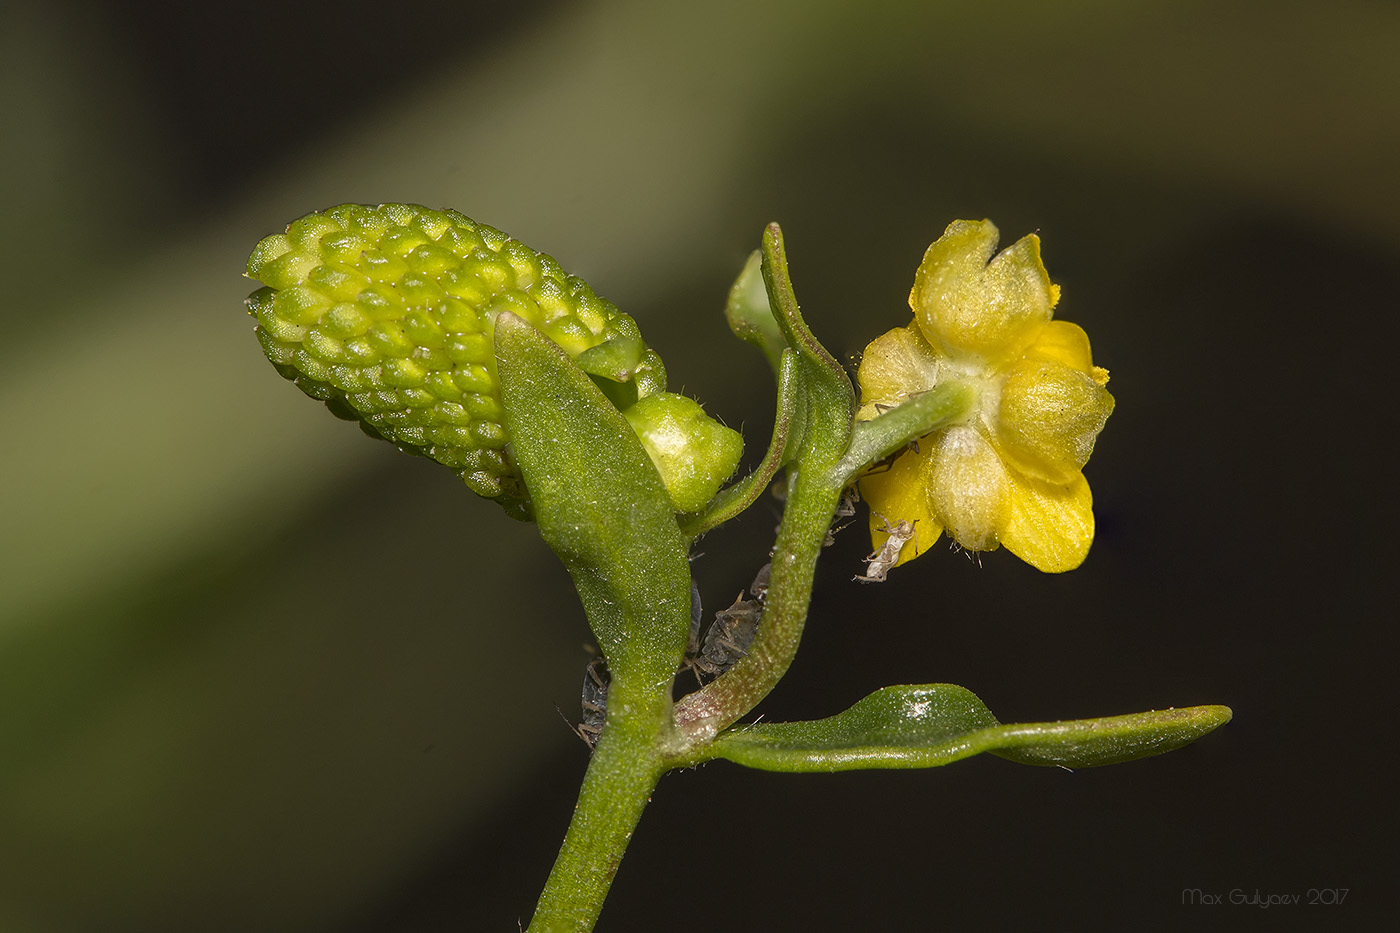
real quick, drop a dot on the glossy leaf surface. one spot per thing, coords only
(923, 726)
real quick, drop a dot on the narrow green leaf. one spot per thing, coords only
(599, 502)
(929, 725)
(827, 388)
(1088, 743)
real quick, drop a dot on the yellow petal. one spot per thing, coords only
(965, 305)
(894, 367)
(1051, 526)
(968, 488)
(1049, 417)
(1063, 342)
(897, 495)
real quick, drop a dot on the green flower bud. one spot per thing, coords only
(387, 315)
(693, 452)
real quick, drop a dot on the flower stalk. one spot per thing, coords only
(829, 454)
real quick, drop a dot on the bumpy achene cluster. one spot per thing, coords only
(387, 314)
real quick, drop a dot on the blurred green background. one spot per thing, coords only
(258, 672)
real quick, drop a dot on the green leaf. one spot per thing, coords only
(749, 314)
(1088, 743)
(928, 725)
(599, 502)
(830, 400)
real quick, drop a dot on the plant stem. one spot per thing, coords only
(602, 508)
(621, 776)
(699, 717)
(827, 456)
(633, 577)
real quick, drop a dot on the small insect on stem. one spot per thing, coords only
(847, 506)
(727, 639)
(697, 613)
(594, 701)
(881, 561)
(759, 587)
(846, 509)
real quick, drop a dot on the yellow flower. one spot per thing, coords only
(1009, 472)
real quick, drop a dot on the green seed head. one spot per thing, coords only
(387, 315)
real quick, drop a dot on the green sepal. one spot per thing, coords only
(600, 505)
(625, 368)
(693, 452)
(923, 726)
(616, 359)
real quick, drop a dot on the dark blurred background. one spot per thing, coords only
(258, 672)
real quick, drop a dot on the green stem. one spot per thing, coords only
(827, 456)
(613, 530)
(700, 716)
(813, 494)
(621, 776)
(874, 440)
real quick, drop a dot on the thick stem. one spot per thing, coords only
(621, 776)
